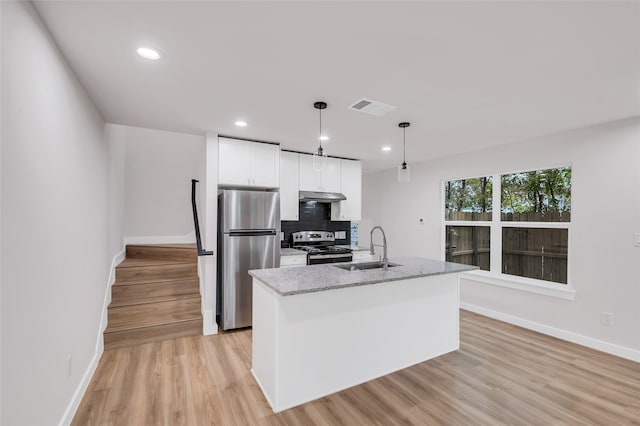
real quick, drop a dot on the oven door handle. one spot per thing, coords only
(329, 256)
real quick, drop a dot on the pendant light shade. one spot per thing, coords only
(320, 157)
(403, 169)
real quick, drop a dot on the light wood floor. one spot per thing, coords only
(502, 374)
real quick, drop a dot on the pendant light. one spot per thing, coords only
(403, 169)
(320, 157)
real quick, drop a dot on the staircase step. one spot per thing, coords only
(137, 336)
(143, 300)
(138, 262)
(156, 295)
(141, 289)
(180, 252)
(129, 317)
(148, 270)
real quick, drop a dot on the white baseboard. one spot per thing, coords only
(189, 238)
(107, 299)
(67, 417)
(209, 325)
(206, 272)
(73, 405)
(590, 342)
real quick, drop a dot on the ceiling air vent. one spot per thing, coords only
(371, 107)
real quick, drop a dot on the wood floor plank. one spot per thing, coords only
(502, 375)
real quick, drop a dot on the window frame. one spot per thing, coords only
(495, 276)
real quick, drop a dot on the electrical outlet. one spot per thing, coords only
(69, 359)
(606, 318)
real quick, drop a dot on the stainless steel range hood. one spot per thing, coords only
(321, 197)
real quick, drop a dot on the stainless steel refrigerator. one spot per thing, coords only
(248, 238)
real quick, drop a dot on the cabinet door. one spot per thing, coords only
(234, 162)
(310, 180)
(286, 261)
(289, 198)
(331, 175)
(351, 181)
(266, 165)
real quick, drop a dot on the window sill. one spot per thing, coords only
(518, 283)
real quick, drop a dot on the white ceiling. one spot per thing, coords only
(466, 74)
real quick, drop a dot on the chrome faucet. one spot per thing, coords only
(385, 261)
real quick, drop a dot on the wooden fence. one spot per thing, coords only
(539, 253)
(510, 217)
(537, 217)
(469, 216)
(469, 245)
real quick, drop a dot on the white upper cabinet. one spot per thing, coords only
(234, 162)
(289, 197)
(325, 180)
(266, 165)
(331, 175)
(248, 164)
(351, 187)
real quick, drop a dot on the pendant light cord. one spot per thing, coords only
(404, 145)
(320, 133)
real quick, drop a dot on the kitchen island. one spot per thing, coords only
(320, 329)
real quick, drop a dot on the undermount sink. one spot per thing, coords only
(364, 266)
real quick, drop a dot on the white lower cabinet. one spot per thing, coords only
(294, 260)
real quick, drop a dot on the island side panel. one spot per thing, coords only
(332, 340)
(264, 337)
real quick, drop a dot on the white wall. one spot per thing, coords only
(116, 136)
(159, 167)
(605, 265)
(1, 137)
(55, 251)
(209, 225)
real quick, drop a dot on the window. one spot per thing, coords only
(530, 232)
(535, 253)
(468, 210)
(537, 196)
(469, 245)
(469, 199)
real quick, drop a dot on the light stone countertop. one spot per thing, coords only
(313, 278)
(292, 252)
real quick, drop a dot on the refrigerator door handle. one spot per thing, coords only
(251, 232)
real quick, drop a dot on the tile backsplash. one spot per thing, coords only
(316, 216)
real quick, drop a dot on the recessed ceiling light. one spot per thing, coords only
(241, 123)
(386, 148)
(148, 53)
(324, 138)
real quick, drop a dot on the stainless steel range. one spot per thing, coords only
(320, 247)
